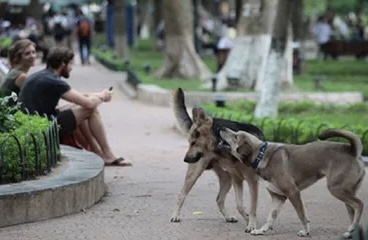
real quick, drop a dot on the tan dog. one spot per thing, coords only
(203, 133)
(288, 169)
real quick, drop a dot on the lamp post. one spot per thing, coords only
(214, 82)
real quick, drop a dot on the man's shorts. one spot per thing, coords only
(67, 122)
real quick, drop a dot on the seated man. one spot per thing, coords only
(42, 91)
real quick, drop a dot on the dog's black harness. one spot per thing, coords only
(260, 155)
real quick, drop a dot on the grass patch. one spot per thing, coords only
(341, 75)
(349, 115)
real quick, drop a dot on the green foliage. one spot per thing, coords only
(23, 148)
(299, 122)
(316, 7)
(337, 67)
(7, 109)
(5, 42)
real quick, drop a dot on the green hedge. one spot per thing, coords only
(23, 151)
(289, 129)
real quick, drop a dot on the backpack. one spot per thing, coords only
(84, 28)
(59, 31)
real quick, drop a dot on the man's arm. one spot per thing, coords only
(90, 101)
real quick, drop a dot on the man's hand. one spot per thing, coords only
(106, 95)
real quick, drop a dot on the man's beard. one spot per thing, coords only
(65, 73)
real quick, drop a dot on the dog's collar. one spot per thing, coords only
(260, 155)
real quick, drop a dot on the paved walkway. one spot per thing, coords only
(140, 199)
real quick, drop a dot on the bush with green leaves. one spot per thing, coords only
(23, 148)
(298, 123)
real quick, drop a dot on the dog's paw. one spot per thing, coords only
(231, 220)
(250, 227)
(175, 219)
(258, 231)
(303, 233)
(347, 235)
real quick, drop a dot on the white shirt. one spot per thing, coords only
(322, 32)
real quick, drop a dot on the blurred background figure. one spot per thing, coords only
(322, 33)
(58, 25)
(84, 32)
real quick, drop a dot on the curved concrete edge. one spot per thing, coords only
(76, 186)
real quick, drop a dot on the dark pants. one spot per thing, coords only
(322, 49)
(84, 43)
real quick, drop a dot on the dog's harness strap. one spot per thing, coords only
(260, 155)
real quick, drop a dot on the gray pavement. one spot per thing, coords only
(140, 198)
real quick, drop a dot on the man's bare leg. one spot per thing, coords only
(86, 134)
(96, 129)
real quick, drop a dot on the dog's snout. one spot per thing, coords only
(193, 159)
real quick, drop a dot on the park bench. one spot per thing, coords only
(336, 48)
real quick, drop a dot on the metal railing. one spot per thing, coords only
(35, 155)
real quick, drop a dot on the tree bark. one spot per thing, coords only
(35, 10)
(269, 96)
(247, 59)
(145, 18)
(120, 39)
(297, 20)
(181, 59)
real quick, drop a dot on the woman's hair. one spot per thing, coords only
(16, 49)
(59, 55)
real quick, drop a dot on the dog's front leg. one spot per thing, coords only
(297, 202)
(225, 182)
(253, 195)
(194, 171)
(277, 202)
(238, 189)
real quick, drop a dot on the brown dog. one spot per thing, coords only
(203, 133)
(288, 169)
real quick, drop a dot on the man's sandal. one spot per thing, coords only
(119, 162)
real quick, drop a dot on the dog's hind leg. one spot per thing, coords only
(194, 171)
(353, 205)
(350, 211)
(347, 194)
(225, 182)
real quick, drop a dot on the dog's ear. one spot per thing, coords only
(199, 115)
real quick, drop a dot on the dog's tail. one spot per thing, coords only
(355, 142)
(184, 122)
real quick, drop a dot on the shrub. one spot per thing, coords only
(24, 143)
(292, 129)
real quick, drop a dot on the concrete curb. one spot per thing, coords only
(365, 160)
(153, 94)
(126, 87)
(75, 185)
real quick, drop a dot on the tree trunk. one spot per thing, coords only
(35, 10)
(181, 59)
(287, 68)
(120, 39)
(269, 95)
(268, 102)
(145, 18)
(297, 20)
(247, 59)
(157, 17)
